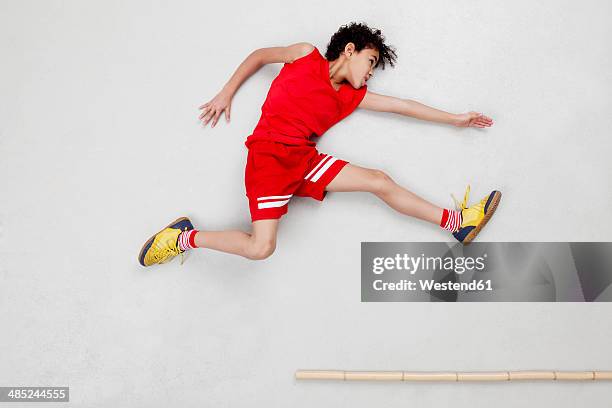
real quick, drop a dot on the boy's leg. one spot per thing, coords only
(259, 244)
(377, 182)
(180, 236)
(464, 223)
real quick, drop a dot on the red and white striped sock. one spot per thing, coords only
(451, 220)
(186, 239)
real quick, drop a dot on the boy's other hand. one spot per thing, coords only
(217, 105)
(473, 119)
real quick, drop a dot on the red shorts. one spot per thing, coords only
(275, 172)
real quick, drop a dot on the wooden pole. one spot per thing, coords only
(453, 376)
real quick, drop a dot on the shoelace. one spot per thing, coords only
(463, 205)
(170, 251)
(164, 254)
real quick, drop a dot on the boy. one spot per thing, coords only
(310, 94)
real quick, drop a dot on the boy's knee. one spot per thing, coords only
(381, 181)
(262, 250)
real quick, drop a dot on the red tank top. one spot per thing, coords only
(302, 102)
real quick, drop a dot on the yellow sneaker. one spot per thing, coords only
(475, 217)
(163, 246)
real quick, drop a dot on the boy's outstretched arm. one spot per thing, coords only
(407, 107)
(255, 60)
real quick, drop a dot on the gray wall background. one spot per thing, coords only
(100, 146)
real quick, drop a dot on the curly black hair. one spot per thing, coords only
(363, 37)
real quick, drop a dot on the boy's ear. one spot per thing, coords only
(349, 48)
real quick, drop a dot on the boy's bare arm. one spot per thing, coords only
(252, 63)
(407, 107)
(263, 56)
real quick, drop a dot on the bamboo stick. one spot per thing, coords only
(452, 375)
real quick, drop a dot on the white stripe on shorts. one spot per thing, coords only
(323, 169)
(271, 197)
(325, 157)
(271, 204)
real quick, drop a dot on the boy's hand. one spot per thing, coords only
(473, 119)
(214, 108)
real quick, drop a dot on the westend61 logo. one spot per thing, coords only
(413, 264)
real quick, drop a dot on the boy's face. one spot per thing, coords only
(360, 64)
